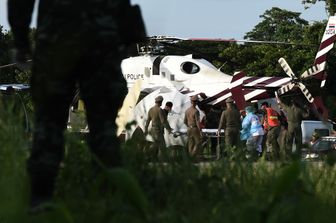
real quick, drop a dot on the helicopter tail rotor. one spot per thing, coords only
(316, 103)
(283, 63)
(305, 92)
(285, 88)
(311, 72)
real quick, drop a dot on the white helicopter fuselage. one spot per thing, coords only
(173, 77)
(182, 73)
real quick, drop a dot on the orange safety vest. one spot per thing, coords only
(272, 117)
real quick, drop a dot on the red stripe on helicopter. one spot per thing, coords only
(320, 59)
(252, 87)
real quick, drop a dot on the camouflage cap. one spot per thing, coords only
(194, 98)
(159, 98)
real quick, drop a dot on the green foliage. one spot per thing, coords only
(92, 194)
(330, 5)
(280, 25)
(229, 190)
(13, 153)
(11, 74)
(277, 25)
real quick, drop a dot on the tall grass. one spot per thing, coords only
(228, 190)
(13, 154)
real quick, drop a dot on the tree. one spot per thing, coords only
(261, 59)
(282, 25)
(10, 74)
(5, 45)
(277, 25)
(5, 55)
(330, 5)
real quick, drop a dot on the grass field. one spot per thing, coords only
(228, 190)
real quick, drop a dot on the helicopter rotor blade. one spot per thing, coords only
(283, 63)
(247, 41)
(305, 92)
(285, 88)
(311, 71)
(231, 40)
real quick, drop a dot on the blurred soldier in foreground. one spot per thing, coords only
(192, 121)
(78, 44)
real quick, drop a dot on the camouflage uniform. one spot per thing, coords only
(272, 144)
(295, 116)
(230, 121)
(77, 45)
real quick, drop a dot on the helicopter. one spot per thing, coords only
(177, 77)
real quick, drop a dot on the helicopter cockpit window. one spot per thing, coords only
(190, 68)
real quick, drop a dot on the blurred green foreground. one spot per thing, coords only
(178, 190)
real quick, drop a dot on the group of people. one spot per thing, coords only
(262, 129)
(159, 122)
(158, 118)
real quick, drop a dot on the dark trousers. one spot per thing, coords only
(231, 136)
(294, 133)
(60, 66)
(272, 145)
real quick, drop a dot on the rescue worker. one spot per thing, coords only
(168, 108)
(78, 44)
(283, 128)
(295, 115)
(230, 122)
(272, 129)
(252, 131)
(157, 119)
(194, 132)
